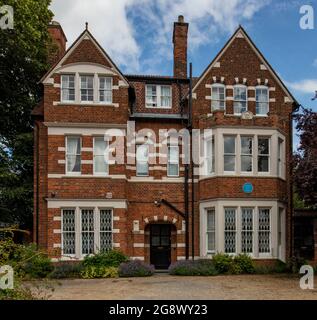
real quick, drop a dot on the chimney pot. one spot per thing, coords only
(181, 18)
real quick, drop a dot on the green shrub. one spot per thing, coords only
(135, 268)
(243, 263)
(66, 270)
(293, 264)
(92, 272)
(203, 267)
(112, 258)
(222, 262)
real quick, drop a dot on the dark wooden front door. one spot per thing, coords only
(160, 245)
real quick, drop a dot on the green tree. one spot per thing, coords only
(23, 61)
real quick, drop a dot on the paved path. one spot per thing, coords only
(163, 286)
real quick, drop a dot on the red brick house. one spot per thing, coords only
(86, 202)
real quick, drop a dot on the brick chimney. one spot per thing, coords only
(59, 39)
(180, 48)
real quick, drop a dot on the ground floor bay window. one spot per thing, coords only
(253, 227)
(86, 231)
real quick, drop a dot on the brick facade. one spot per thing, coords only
(135, 201)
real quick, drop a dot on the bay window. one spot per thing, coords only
(240, 104)
(73, 154)
(68, 87)
(218, 93)
(262, 100)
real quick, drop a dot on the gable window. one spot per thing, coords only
(246, 154)
(173, 161)
(73, 154)
(87, 88)
(100, 156)
(210, 156)
(263, 154)
(211, 231)
(142, 160)
(229, 153)
(218, 97)
(158, 96)
(105, 89)
(68, 87)
(262, 100)
(240, 99)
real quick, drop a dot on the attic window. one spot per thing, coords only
(68, 87)
(158, 96)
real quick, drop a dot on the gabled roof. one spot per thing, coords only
(241, 33)
(83, 36)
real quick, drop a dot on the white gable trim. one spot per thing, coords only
(241, 34)
(84, 36)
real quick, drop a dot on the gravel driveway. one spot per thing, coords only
(163, 286)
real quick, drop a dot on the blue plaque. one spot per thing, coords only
(247, 187)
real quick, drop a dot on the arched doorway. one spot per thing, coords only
(161, 241)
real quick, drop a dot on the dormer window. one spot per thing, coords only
(68, 87)
(262, 100)
(240, 99)
(218, 96)
(87, 88)
(158, 96)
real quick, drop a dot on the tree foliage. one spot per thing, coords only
(305, 175)
(23, 61)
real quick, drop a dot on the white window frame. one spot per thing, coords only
(78, 230)
(245, 154)
(73, 173)
(230, 154)
(236, 231)
(73, 255)
(263, 155)
(99, 89)
(93, 88)
(158, 96)
(106, 173)
(246, 98)
(207, 210)
(218, 86)
(253, 228)
(68, 88)
(169, 161)
(281, 158)
(268, 101)
(264, 254)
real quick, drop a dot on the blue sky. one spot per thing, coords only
(138, 34)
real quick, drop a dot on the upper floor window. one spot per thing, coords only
(142, 160)
(210, 156)
(73, 154)
(240, 99)
(105, 89)
(218, 96)
(100, 156)
(262, 100)
(158, 96)
(263, 154)
(280, 152)
(246, 153)
(68, 87)
(229, 153)
(173, 161)
(87, 88)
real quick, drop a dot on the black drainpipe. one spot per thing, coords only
(37, 183)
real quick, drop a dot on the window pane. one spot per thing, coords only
(105, 230)
(263, 151)
(230, 230)
(105, 89)
(229, 163)
(68, 231)
(263, 164)
(262, 101)
(217, 97)
(246, 145)
(240, 99)
(172, 169)
(87, 231)
(247, 230)
(73, 154)
(68, 87)
(211, 230)
(142, 160)
(263, 145)
(246, 163)
(151, 98)
(264, 231)
(229, 145)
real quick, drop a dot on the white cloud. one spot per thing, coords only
(117, 24)
(304, 86)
